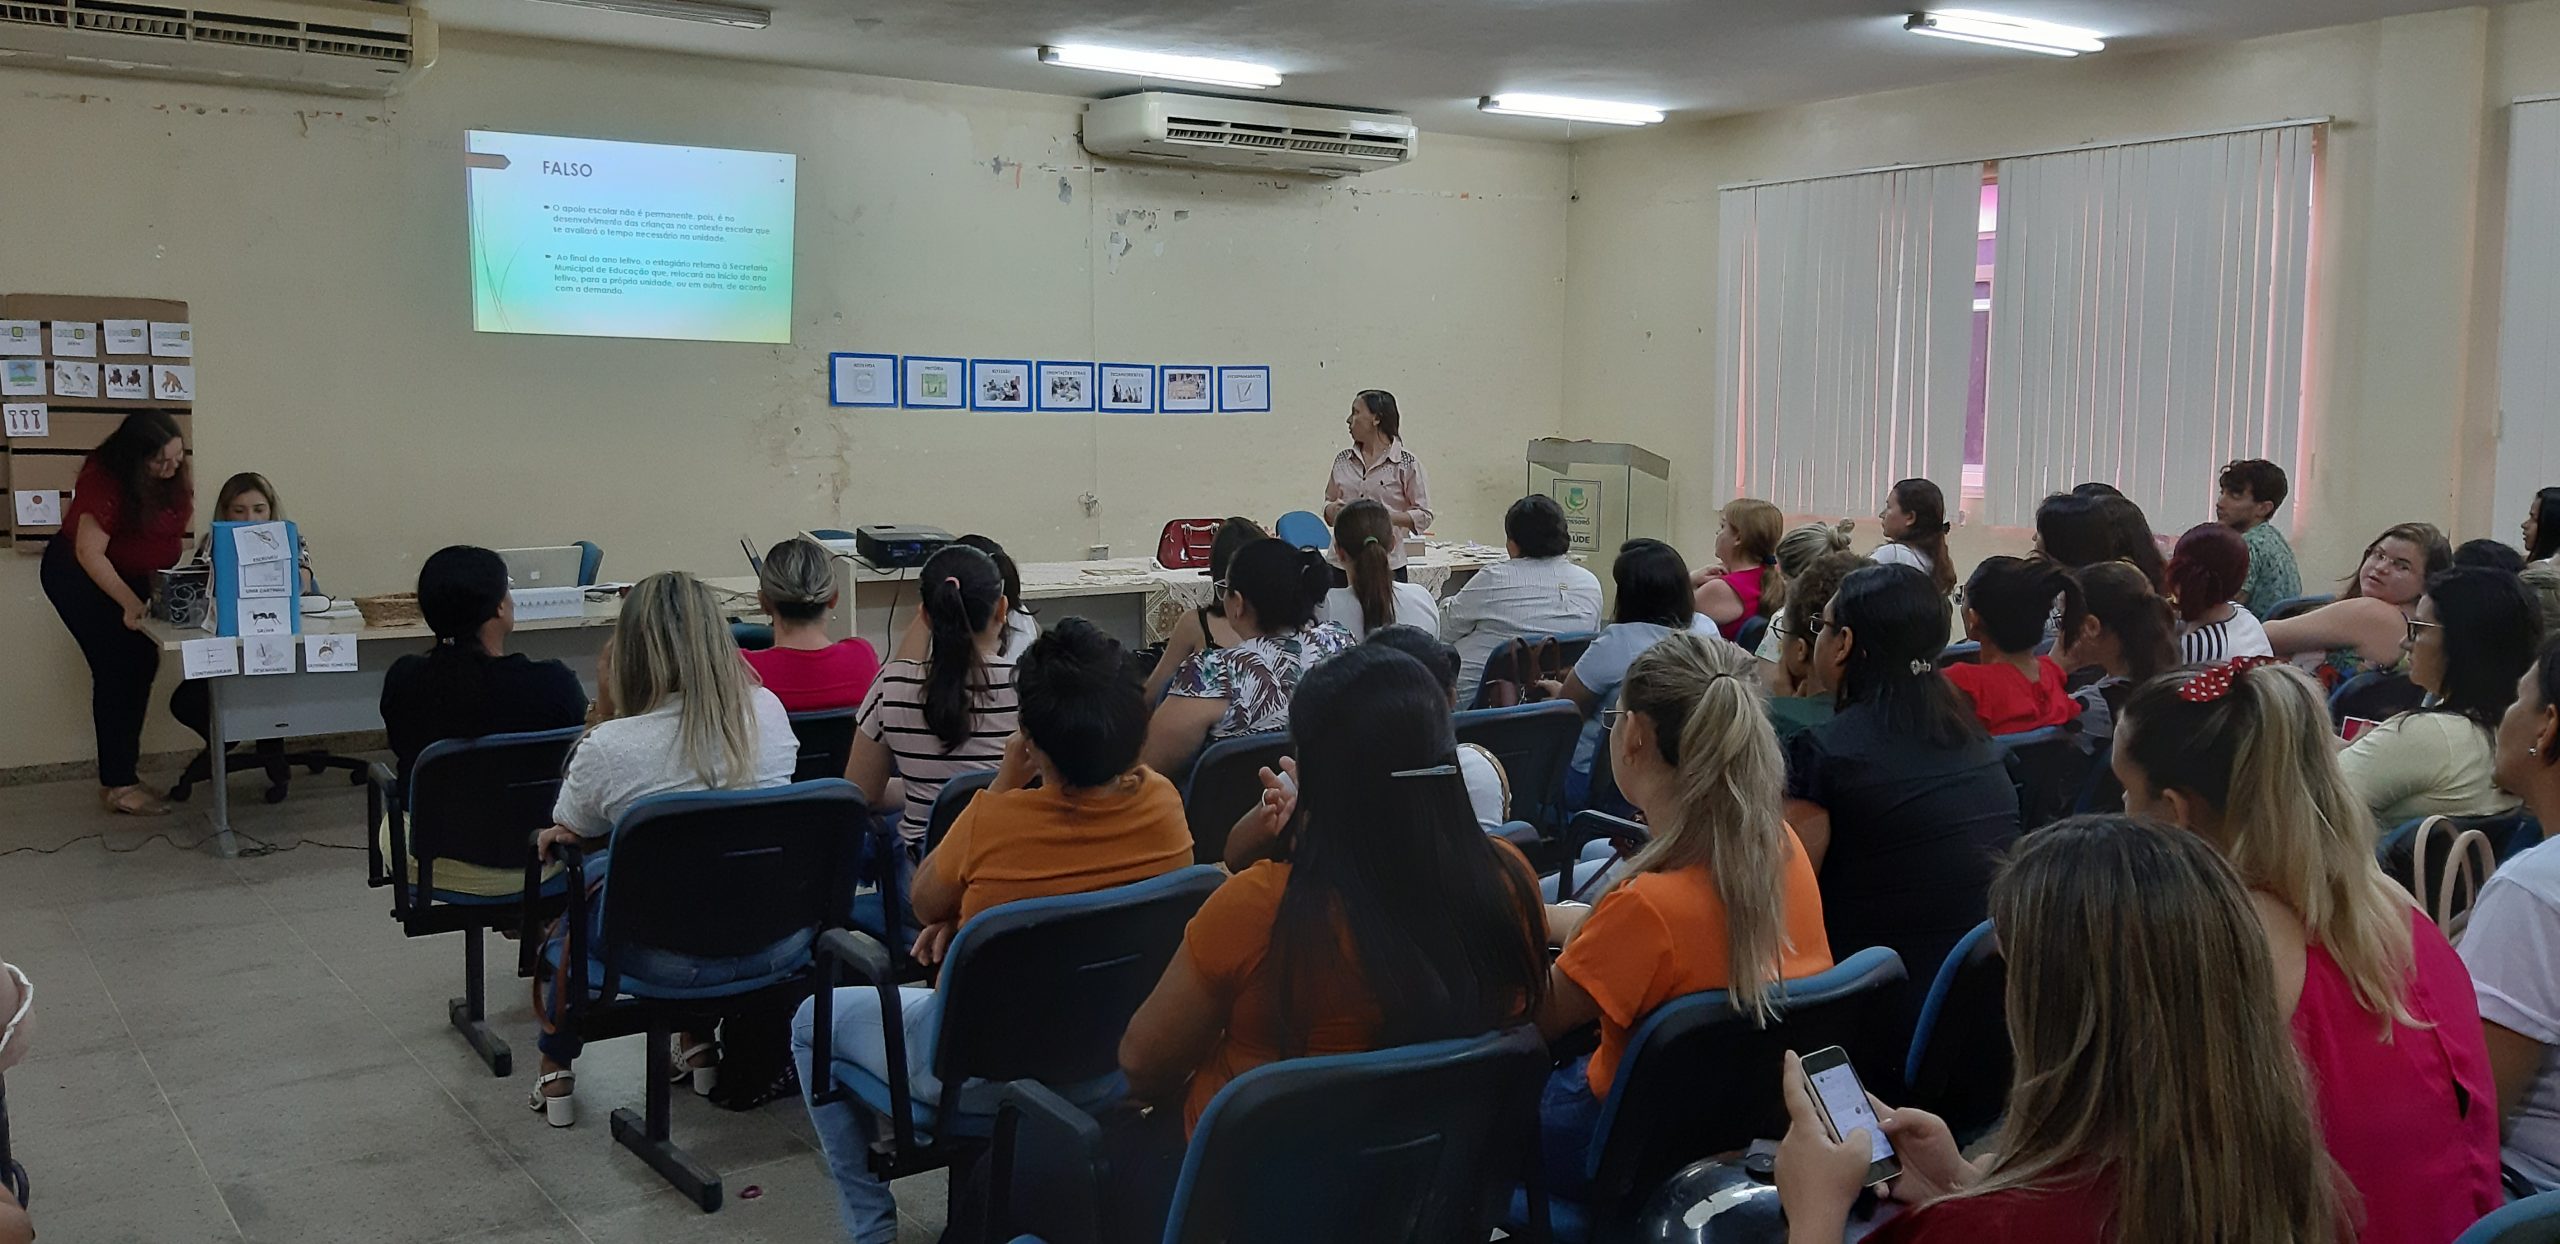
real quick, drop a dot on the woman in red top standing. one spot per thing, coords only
(127, 518)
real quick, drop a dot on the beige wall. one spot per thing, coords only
(321, 243)
(2402, 382)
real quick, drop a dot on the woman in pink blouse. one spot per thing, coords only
(1379, 468)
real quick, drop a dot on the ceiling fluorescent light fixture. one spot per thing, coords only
(1565, 108)
(1201, 69)
(1993, 30)
(736, 15)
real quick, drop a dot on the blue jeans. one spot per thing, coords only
(846, 1129)
(646, 968)
(1595, 856)
(1567, 1116)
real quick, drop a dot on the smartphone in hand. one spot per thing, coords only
(1843, 1102)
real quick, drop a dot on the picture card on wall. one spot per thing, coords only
(1129, 388)
(1244, 390)
(931, 382)
(1184, 390)
(1000, 384)
(21, 337)
(24, 419)
(173, 383)
(40, 507)
(1065, 387)
(128, 336)
(75, 339)
(173, 339)
(22, 377)
(862, 379)
(129, 380)
(75, 379)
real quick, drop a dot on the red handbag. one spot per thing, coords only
(1185, 543)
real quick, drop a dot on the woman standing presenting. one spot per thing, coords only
(1379, 468)
(127, 518)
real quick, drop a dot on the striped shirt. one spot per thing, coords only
(2207, 643)
(893, 713)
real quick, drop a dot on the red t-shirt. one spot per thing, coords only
(137, 544)
(835, 676)
(2072, 1213)
(2007, 703)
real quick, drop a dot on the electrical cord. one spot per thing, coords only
(257, 846)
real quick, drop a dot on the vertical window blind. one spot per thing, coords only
(2147, 319)
(1846, 333)
(2529, 319)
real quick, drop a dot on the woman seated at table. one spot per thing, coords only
(675, 710)
(804, 669)
(1373, 598)
(245, 498)
(2472, 638)
(1269, 597)
(469, 685)
(2367, 627)
(1208, 629)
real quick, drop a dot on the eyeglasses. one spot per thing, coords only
(1610, 717)
(2415, 626)
(1219, 586)
(1813, 625)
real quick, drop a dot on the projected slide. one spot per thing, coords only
(580, 237)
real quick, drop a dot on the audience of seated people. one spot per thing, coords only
(1270, 596)
(2381, 1008)
(2011, 687)
(1488, 787)
(2207, 572)
(1656, 600)
(1799, 698)
(1539, 590)
(2139, 1027)
(2127, 634)
(1914, 518)
(2473, 636)
(1744, 582)
(1722, 896)
(676, 709)
(2250, 491)
(808, 672)
(1797, 551)
(1900, 800)
(1209, 629)
(2512, 943)
(2367, 627)
(1372, 596)
(1070, 811)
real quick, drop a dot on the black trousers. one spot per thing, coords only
(122, 663)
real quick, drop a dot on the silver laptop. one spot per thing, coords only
(551, 567)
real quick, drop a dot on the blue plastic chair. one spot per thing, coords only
(826, 741)
(2533, 1220)
(1534, 742)
(2049, 770)
(1958, 1068)
(590, 562)
(2374, 695)
(885, 907)
(1225, 783)
(1700, 1078)
(1754, 628)
(1303, 529)
(2295, 606)
(751, 636)
(1410, 1145)
(1966, 653)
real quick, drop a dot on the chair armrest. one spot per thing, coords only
(872, 965)
(573, 991)
(1045, 1168)
(528, 913)
(1588, 824)
(382, 807)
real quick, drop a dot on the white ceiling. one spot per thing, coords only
(1430, 59)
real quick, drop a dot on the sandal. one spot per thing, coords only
(559, 1111)
(132, 801)
(705, 1076)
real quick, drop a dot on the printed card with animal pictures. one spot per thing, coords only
(265, 615)
(173, 383)
(75, 379)
(129, 380)
(267, 654)
(22, 377)
(329, 654)
(128, 336)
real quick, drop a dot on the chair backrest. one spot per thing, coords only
(479, 801)
(716, 874)
(954, 800)
(751, 636)
(1959, 1063)
(1700, 1078)
(2375, 695)
(1754, 629)
(1966, 653)
(2100, 791)
(1571, 645)
(2295, 606)
(590, 562)
(1041, 989)
(2533, 1220)
(1411, 1145)
(2048, 768)
(1303, 529)
(1534, 742)
(2442, 864)
(1225, 783)
(826, 740)
(1185, 543)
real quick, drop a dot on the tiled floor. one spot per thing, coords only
(249, 1049)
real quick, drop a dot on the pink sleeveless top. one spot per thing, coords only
(1745, 584)
(2413, 1122)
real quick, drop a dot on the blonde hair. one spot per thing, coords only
(2262, 756)
(671, 641)
(1806, 544)
(246, 482)
(2145, 1044)
(1756, 527)
(1711, 724)
(798, 577)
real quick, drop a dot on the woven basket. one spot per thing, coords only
(398, 609)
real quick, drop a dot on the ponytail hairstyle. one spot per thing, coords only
(1806, 544)
(1756, 526)
(798, 580)
(2262, 755)
(671, 641)
(1381, 406)
(2012, 596)
(2122, 601)
(1005, 570)
(1281, 582)
(1927, 507)
(2208, 569)
(962, 590)
(1897, 625)
(1361, 534)
(1711, 725)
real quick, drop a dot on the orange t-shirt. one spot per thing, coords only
(1038, 842)
(1661, 935)
(1228, 941)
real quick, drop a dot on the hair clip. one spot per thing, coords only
(2214, 683)
(1447, 770)
(1923, 666)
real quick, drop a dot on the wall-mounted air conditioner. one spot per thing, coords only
(1243, 133)
(339, 47)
